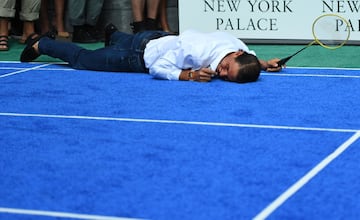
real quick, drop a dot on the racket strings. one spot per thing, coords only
(331, 31)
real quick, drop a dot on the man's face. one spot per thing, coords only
(228, 68)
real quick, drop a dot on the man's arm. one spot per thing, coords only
(202, 75)
(270, 65)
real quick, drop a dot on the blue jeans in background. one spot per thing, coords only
(124, 54)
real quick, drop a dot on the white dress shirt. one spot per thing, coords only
(167, 56)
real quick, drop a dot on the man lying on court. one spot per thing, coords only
(192, 55)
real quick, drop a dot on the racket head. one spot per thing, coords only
(331, 31)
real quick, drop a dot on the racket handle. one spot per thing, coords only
(284, 60)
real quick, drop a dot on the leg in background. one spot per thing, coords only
(4, 34)
(30, 10)
(163, 16)
(59, 18)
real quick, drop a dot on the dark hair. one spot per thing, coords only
(250, 68)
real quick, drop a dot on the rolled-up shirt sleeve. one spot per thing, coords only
(160, 58)
(163, 69)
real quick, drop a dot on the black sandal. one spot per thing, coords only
(29, 53)
(4, 43)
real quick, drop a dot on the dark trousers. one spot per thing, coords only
(124, 54)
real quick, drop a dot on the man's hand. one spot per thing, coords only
(201, 75)
(271, 65)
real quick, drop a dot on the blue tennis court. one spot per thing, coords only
(94, 145)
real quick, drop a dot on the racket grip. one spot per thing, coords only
(283, 61)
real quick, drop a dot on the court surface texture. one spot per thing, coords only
(79, 144)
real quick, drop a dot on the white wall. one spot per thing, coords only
(283, 21)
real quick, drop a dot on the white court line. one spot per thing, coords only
(45, 69)
(322, 68)
(263, 73)
(288, 67)
(24, 70)
(310, 75)
(60, 214)
(10, 114)
(305, 179)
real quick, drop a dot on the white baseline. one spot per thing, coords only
(24, 70)
(220, 124)
(60, 214)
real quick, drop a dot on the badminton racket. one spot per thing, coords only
(330, 31)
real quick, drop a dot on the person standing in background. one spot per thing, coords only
(57, 20)
(83, 16)
(145, 20)
(163, 19)
(29, 13)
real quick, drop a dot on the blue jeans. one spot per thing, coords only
(124, 54)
